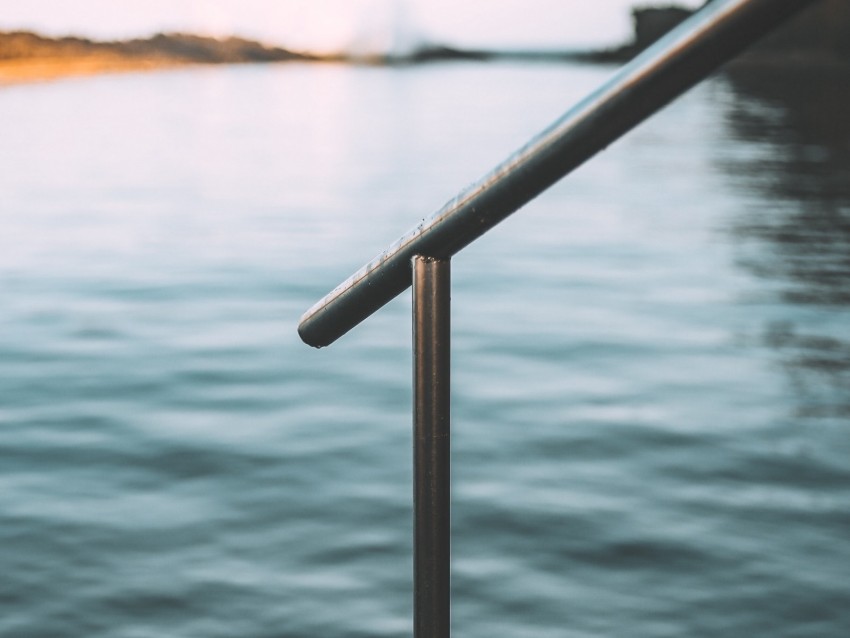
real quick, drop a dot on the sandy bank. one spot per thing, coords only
(45, 69)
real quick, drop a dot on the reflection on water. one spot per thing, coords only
(797, 234)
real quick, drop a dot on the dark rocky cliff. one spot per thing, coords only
(819, 34)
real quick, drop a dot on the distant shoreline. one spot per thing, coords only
(30, 57)
(816, 40)
(27, 57)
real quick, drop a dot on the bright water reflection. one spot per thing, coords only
(651, 361)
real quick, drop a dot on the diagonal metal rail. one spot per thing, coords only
(421, 258)
(677, 62)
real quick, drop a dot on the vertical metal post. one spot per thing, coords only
(431, 447)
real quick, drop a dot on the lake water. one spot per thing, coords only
(651, 361)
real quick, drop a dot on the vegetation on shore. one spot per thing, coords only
(29, 56)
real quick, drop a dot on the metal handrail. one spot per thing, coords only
(664, 71)
(422, 258)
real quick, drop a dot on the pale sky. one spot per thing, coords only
(332, 25)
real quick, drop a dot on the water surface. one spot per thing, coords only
(651, 361)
